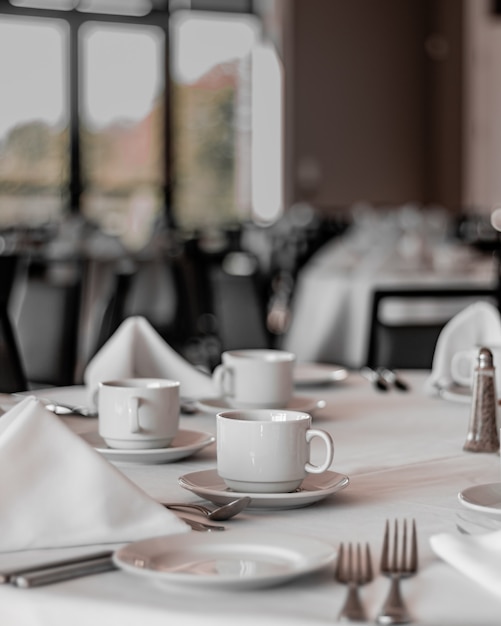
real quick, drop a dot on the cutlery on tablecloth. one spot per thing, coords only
(187, 406)
(221, 513)
(392, 378)
(59, 570)
(375, 378)
(397, 562)
(201, 526)
(76, 567)
(353, 572)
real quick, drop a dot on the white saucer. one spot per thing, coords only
(297, 403)
(234, 560)
(458, 393)
(185, 443)
(485, 498)
(314, 487)
(318, 374)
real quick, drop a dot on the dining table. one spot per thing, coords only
(331, 306)
(402, 455)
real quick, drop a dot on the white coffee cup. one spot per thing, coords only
(267, 450)
(138, 413)
(464, 362)
(256, 378)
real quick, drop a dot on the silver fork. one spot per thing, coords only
(394, 610)
(353, 574)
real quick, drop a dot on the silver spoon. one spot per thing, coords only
(196, 525)
(69, 409)
(224, 512)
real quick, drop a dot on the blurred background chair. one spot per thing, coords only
(411, 344)
(114, 306)
(48, 320)
(12, 375)
(239, 300)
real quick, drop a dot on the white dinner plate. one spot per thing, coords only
(485, 498)
(209, 485)
(318, 374)
(297, 403)
(234, 560)
(184, 444)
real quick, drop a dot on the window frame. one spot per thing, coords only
(159, 16)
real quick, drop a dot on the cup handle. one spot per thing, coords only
(329, 449)
(133, 406)
(220, 376)
(462, 368)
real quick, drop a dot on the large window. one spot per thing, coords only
(34, 147)
(126, 119)
(211, 77)
(121, 128)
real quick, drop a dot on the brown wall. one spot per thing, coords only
(369, 106)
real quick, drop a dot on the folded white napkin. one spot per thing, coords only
(476, 325)
(137, 350)
(476, 556)
(56, 491)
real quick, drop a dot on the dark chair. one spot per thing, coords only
(239, 303)
(48, 321)
(411, 345)
(115, 308)
(12, 375)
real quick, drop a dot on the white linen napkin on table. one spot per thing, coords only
(137, 350)
(477, 556)
(56, 491)
(476, 325)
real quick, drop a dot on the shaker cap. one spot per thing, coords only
(485, 358)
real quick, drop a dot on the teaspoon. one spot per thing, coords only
(224, 512)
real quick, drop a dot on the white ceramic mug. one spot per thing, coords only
(268, 450)
(464, 362)
(138, 413)
(256, 378)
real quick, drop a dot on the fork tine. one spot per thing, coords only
(394, 565)
(385, 551)
(369, 573)
(350, 563)
(359, 572)
(403, 563)
(413, 565)
(340, 573)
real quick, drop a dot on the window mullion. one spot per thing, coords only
(74, 86)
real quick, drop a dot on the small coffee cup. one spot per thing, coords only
(256, 378)
(268, 450)
(137, 413)
(464, 362)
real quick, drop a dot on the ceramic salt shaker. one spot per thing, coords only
(483, 429)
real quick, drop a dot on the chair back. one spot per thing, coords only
(49, 321)
(411, 344)
(12, 375)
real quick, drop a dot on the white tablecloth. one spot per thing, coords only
(403, 454)
(332, 301)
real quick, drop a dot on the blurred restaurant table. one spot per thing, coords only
(332, 304)
(402, 452)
